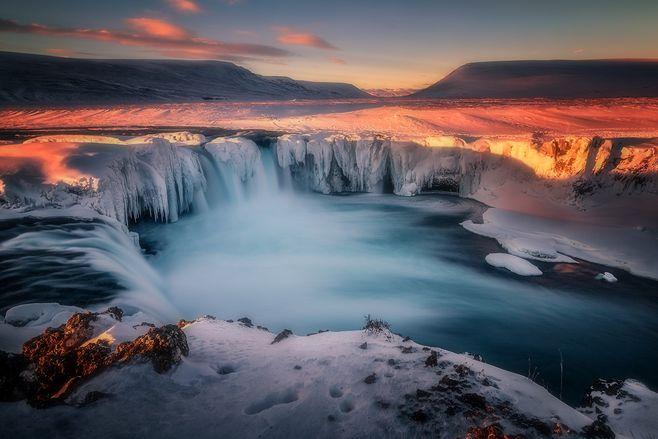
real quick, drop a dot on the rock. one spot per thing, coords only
(370, 379)
(363, 345)
(246, 321)
(598, 430)
(449, 382)
(54, 363)
(181, 324)
(13, 385)
(419, 416)
(462, 370)
(406, 339)
(493, 431)
(407, 349)
(420, 394)
(59, 341)
(115, 312)
(297, 367)
(162, 346)
(474, 400)
(262, 328)
(432, 360)
(59, 358)
(391, 362)
(282, 336)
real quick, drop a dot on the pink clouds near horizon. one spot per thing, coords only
(158, 28)
(165, 37)
(292, 36)
(185, 6)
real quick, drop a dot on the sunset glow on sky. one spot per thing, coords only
(372, 44)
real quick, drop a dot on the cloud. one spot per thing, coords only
(288, 35)
(164, 37)
(158, 28)
(186, 6)
(336, 60)
(578, 51)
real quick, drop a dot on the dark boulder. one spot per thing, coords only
(282, 336)
(54, 363)
(432, 360)
(163, 347)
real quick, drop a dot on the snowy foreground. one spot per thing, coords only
(240, 380)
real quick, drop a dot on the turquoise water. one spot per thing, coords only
(310, 262)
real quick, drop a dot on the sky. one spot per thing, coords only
(374, 44)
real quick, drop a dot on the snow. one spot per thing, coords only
(529, 245)
(606, 276)
(631, 412)
(236, 383)
(512, 263)
(583, 237)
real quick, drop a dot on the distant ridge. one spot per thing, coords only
(47, 80)
(558, 79)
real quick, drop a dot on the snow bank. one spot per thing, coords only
(551, 240)
(237, 383)
(513, 264)
(628, 407)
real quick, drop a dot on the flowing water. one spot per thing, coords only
(290, 259)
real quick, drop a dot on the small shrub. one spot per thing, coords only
(375, 326)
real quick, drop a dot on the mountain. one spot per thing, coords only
(37, 79)
(548, 79)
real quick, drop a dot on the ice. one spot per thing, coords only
(606, 276)
(513, 264)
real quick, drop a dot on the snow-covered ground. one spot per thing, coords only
(239, 380)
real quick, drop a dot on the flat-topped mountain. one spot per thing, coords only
(548, 79)
(37, 79)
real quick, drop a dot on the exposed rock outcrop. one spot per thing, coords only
(52, 364)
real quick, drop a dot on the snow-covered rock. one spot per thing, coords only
(606, 276)
(512, 263)
(628, 407)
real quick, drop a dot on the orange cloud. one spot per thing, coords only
(288, 35)
(163, 36)
(187, 6)
(157, 28)
(336, 60)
